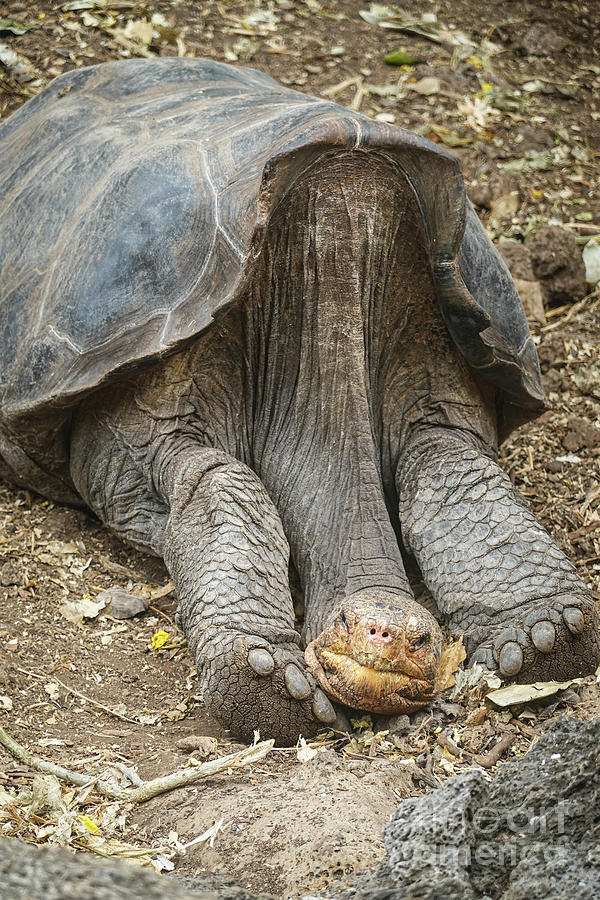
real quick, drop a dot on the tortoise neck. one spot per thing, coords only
(312, 339)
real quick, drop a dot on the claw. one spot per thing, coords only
(261, 661)
(511, 658)
(483, 656)
(322, 708)
(574, 620)
(543, 636)
(296, 684)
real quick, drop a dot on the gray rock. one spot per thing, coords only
(35, 873)
(528, 833)
(121, 604)
(558, 265)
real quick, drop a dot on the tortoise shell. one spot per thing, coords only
(135, 199)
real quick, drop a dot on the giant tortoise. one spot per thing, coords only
(245, 325)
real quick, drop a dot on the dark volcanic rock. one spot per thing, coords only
(42, 873)
(580, 434)
(33, 873)
(558, 265)
(531, 832)
(518, 259)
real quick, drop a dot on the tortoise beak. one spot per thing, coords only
(382, 661)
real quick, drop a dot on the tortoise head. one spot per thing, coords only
(380, 652)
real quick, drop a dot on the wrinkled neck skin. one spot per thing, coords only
(329, 384)
(313, 439)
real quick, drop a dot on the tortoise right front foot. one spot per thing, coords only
(251, 684)
(553, 638)
(492, 568)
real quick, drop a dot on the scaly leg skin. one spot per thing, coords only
(211, 519)
(491, 567)
(225, 548)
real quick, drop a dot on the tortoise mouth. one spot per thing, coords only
(371, 683)
(380, 652)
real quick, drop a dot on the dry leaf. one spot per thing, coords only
(426, 86)
(14, 26)
(452, 657)
(304, 753)
(18, 67)
(76, 610)
(159, 639)
(136, 37)
(527, 693)
(52, 689)
(89, 824)
(466, 679)
(451, 138)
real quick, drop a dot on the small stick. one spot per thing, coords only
(42, 765)
(428, 777)
(588, 559)
(572, 311)
(163, 591)
(133, 776)
(146, 789)
(490, 758)
(71, 690)
(188, 776)
(95, 703)
(444, 740)
(584, 226)
(159, 612)
(341, 86)
(359, 96)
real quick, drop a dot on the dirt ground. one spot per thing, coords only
(519, 103)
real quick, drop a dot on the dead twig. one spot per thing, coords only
(42, 765)
(444, 740)
(94, 703)
(573, 310)
(426, 775)
(359, 96)
(490, 758)
(584, 226)
(336, 89)
(147, 789)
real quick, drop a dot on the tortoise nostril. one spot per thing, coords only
(380, 634)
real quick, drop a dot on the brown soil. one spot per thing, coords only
(288, 826)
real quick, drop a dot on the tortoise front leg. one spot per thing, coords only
(491, 567)
(226, 551)
(220, 535)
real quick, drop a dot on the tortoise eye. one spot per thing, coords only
(345, 622)
(420, 641)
